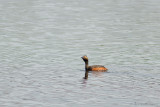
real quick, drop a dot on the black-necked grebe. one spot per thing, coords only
(93, 67)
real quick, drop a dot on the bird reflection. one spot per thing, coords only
(95, 73)
(86, 74)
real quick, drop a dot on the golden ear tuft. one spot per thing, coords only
(85, 57)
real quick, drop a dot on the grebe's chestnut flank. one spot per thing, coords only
(93, 67)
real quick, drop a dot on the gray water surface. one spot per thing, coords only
(42, 41)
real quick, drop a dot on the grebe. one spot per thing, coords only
(93, 67)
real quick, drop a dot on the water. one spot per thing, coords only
(41, 42)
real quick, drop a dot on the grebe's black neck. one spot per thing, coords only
(86, 64)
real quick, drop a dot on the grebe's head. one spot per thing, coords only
(85, 58)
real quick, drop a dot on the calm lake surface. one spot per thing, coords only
(42, 41)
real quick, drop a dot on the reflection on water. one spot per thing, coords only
(86, 74)
(41, 42)
(94, 73)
